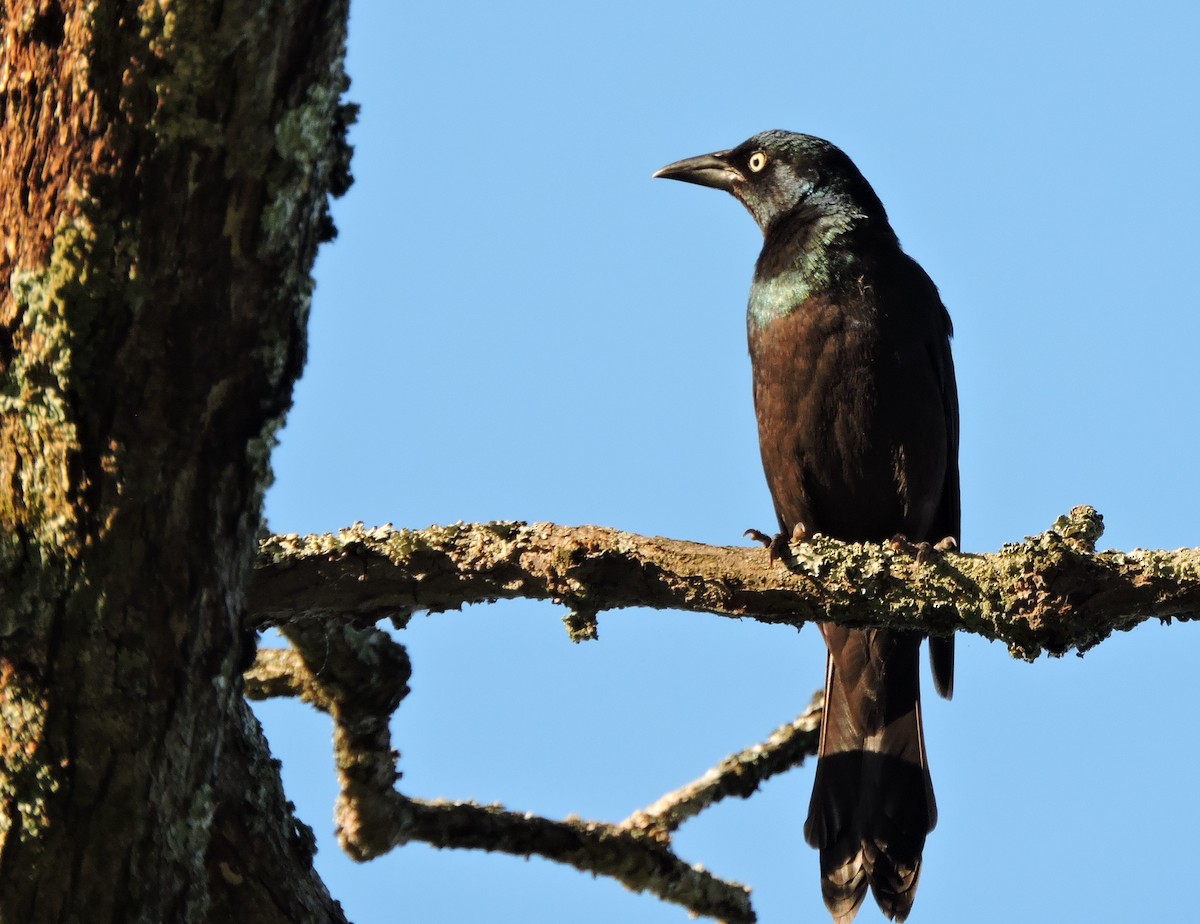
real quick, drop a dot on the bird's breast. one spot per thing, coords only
(817, 379)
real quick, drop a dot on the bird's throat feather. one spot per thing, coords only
(816, 264)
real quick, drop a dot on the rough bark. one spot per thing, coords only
(164, 171)
(1051, 593)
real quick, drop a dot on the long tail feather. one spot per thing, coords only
(872, 802)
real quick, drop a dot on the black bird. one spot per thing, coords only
(858, 427)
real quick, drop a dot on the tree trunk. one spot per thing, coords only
(164, 170)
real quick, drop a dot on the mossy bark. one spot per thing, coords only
(164, 171)
(1051, 593)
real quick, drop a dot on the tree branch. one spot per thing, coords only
(738, 774)
(1050, 593)
(373, 817)
(634, 857)
(358, 676)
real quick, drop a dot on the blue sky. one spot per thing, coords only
(516, 322)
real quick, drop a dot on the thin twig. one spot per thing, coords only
(738, 774)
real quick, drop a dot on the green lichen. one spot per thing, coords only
(507, 530)
(27, 782)
(582, 625)
(305, 158)
(61, 308)
(185, 71)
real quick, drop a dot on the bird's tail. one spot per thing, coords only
(872, 802)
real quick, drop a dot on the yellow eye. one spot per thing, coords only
(757, 161)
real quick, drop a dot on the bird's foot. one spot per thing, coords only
(922, 550)
(777, 545)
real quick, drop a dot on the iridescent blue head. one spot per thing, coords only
(775, 173)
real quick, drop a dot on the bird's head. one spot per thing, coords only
(776, 172)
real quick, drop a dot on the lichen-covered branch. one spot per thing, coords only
(280, 673)
(738, 774)
(358, 676)
(637, 852)
(635, 858)
(1052, 593)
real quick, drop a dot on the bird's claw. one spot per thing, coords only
(758, 536)
(777, 546)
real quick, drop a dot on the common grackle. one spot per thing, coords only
(858, 428)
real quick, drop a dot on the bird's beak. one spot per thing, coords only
(706, 170)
